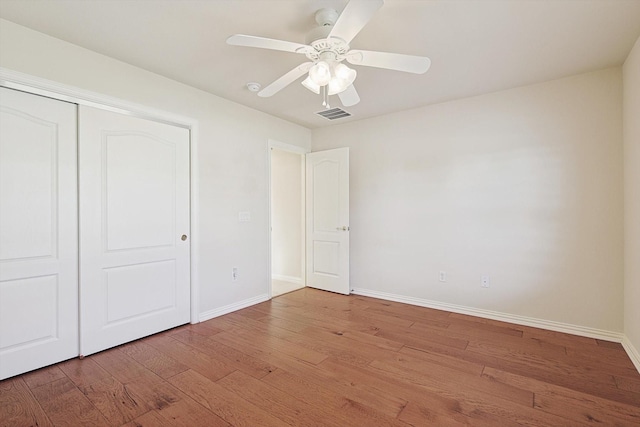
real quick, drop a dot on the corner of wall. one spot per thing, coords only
(633, 353)
(631, 138)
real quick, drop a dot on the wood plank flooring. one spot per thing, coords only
(312, 358)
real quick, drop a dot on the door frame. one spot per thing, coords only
(38, 86)
(272, 143)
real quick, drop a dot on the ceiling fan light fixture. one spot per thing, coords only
(320, 73)
(336, 86)
(343, 76)
(343, 72)
(311, 85)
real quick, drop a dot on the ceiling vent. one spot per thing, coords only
(333, 114)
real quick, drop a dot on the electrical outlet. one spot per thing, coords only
(485, 281)
(234, 273)
(442, 276)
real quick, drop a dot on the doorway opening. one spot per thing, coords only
(287, 200)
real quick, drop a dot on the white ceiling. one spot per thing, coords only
(476, 46)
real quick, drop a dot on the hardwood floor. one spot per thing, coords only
(312, 358)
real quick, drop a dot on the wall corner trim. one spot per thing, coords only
(633, 353)
(206, 315)
(504, 317)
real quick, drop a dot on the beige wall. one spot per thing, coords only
(286, 215)
(232, 160)
(524, 185)
(631, 81)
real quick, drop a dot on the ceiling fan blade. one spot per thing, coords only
(391, 61)
(354, 17)
(285, 80)
(265, 43)
(349, 96)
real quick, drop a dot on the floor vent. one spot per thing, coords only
(334, 113)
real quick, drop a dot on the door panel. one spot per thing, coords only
(154, 280)
(326, 197)
(328, 220)
(326, 258)
(134, 192)
(38, 232)
(150, 194)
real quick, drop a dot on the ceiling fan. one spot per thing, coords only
(327, 47)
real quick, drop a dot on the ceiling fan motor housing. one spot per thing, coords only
(326, 17)
(318, 37)
(318, 33)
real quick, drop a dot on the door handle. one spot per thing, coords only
(343, 228)
(184, 237)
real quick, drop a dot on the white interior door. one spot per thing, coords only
(38, 232)
(134, 228)
(328, 220)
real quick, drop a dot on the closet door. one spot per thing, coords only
(134, 228)
(38, 232)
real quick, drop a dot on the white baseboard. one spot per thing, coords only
(233, 307)
(504, 317)
(633, 353)
(290, 279)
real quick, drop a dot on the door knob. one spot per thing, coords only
(184, 237)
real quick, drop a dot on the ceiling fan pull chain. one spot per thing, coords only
(325, 95)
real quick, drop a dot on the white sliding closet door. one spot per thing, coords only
(134, 228)
(38, 232)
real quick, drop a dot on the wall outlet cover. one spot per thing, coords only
(485, 281)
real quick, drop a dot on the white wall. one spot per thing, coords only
(232, 149)
(286, 215)
(631, 80)
(524, 185)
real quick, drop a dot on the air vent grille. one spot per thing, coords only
(334, 113)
